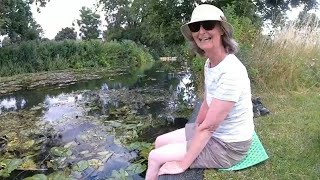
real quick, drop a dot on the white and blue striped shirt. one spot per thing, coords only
(229, 81)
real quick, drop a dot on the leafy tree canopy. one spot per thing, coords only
(66, 33)
(89, 24)
(17, 22)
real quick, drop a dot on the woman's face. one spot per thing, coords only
(208, 39)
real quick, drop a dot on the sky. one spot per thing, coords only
(59, 14)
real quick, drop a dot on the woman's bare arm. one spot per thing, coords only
(202, 111)
(216, 113)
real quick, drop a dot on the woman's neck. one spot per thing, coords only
(216, 56)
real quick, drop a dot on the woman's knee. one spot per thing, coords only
(171, 137)
(160, 141)
(153, 157)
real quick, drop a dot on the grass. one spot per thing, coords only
(290, 60)
(290, 135)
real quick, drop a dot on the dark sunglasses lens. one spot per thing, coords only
(208, 25)
(194, 27)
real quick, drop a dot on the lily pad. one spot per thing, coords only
(81, 166)
(95, 163)
(120, 175)
(59, 176)
(37, 177)
(9, 165)
(136, 169)
(60, 151)
(28, 165)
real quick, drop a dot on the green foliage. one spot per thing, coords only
(60, 151)
(9, 165)
(288, 61)
(245, 31)
(143, 148)
(35, 56)
(37, 177)
(81, 166)
(66, 33)
(126, 174)
(17, 21)
(89, 24)
(154, 24)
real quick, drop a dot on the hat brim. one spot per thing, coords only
(185, 30)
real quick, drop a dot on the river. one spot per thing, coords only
(93, 129)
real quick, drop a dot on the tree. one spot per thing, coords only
(275, 9)
(66, 33)
(16, 21)
(89, 24)
(6, 41)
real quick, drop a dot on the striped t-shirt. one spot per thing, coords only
(229, 81)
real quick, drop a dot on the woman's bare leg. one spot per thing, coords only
(163, 154)
(177, 136)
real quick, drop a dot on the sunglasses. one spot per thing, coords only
(207, 25)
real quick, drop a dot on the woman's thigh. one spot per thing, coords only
(169, 152)
(177, 136)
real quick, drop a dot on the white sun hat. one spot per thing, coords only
(206, 12)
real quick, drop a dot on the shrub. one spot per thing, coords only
(35, 56)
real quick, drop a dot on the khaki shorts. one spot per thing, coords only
(216, 153)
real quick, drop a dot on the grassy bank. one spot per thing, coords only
(290, 135)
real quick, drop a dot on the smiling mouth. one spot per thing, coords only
(205, 39)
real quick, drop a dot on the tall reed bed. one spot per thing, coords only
(290, 60)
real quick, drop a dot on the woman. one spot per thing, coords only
(222, 133)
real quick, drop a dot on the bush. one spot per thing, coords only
(35, 56)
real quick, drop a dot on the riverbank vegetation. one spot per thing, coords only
(38, 56)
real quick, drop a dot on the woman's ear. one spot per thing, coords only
(222, 32)
(221, 29)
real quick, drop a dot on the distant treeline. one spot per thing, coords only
(36, 56)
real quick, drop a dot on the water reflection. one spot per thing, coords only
(154, 92)
(185, 89)
(61, 106)
(12, 104)
(179, 84)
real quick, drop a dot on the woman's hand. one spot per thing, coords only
(172, 167)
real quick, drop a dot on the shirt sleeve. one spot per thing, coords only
(229, 87)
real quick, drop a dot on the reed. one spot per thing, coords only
(289, 60)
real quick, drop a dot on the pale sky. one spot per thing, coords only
(58, 14)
